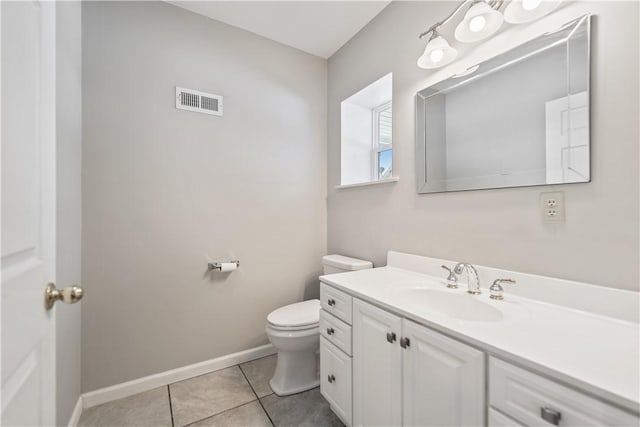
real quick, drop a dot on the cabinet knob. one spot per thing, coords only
(330, 331)
(331, 378)
(391, 337)
(331, 302)
(405, 342)
(551, 415)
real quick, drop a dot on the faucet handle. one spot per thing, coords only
(452, 279)
(496, 291)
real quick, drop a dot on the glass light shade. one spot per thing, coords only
(480, 21)
(521, 11)
(438, 53)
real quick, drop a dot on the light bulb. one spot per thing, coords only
(530, 4)
(436, 55)
(478, 23)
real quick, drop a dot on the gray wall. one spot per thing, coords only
(165, 190)
(501, 228)
(68, 215)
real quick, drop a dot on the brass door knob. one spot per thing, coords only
(69, 295)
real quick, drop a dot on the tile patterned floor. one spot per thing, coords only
(234, 397)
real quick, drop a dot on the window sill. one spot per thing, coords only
(367, 184)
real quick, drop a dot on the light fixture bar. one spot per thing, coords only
(445, 20)
(494, 4)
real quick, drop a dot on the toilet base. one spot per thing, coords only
(287, 392)
(296, 371)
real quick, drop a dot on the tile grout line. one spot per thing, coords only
(259, 401)
(170, 406)
(235, 407)
(219, 413)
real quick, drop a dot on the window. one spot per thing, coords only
(382, 142)
(366, 142)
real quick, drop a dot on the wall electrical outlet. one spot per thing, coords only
(552, 207)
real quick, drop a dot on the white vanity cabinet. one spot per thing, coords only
(378, 368)
(406, 374)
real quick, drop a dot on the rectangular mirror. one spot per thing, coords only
(518, 119)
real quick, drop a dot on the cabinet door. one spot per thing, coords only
(443, 380)
(335, 379)
(377, 367)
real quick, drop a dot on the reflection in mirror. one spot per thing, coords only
(519, 119)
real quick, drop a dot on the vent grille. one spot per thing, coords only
(208, 103)
(200, 102)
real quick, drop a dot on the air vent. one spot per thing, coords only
(200, 102)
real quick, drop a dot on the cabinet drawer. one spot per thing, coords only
(524, 396)
(336, 331)
(335, 379)
(336, 302)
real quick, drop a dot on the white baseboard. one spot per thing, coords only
(75, 415)
(139, 385)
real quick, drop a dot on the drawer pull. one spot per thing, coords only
(391, 337)
(331, 378)
(405, 342)
(331, 302)
(551, 416)
(330, 331)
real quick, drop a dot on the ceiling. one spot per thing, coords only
(317, 27)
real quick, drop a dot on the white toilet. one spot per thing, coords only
(294, 332)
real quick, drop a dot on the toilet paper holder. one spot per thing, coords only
(218, 265)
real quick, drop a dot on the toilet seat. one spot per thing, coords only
(293, 328)
(296, 317)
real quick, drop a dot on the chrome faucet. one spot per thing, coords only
(452, 280)
(473, 285)
(496, 291)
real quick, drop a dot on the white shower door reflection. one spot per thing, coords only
(567, 127)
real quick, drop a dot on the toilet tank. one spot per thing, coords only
(341, 264)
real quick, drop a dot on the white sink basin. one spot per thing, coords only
(460, 306)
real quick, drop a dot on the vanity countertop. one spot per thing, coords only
(592, 352)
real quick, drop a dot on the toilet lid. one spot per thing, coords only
(298, 314)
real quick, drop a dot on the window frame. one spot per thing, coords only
(375, 140)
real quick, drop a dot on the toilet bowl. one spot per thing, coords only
(294, 332)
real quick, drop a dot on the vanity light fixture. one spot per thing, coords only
(481, 20)
(437, 53)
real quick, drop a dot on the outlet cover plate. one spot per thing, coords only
(552, 207)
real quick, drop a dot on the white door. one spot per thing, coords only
(443, 379)
(567, 139)
(28, 212)
(377, 367)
